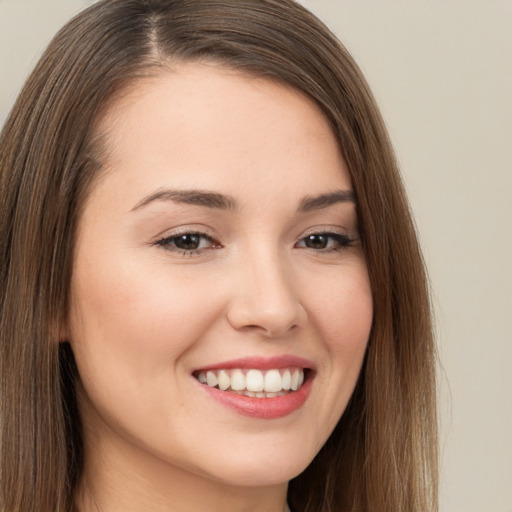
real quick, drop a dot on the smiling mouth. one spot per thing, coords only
(253, 382)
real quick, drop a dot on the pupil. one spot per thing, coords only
(316, 241)
(188, 242)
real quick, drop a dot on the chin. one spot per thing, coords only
(264, 475)
(273, 469)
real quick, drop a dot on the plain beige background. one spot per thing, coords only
(442, 74)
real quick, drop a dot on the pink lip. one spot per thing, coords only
(261, 363)
(262, 408)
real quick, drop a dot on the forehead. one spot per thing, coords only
(205, 122)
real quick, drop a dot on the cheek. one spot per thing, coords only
(132, 328)
(344, 320)
(130, 313)
(346, 313)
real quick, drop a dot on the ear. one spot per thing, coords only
(64, 334)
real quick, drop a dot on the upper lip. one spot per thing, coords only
(261, 363)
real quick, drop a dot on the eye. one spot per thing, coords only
(188, 243)
(325, 241)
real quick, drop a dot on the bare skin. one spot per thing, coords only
(222, 228)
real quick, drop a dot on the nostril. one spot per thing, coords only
(270, 322)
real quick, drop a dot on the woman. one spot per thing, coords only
(213, 296)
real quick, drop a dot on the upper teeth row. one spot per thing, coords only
(271, 381)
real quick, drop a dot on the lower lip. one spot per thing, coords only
(264, 408)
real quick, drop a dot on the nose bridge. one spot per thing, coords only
(265, 296)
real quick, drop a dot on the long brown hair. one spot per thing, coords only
(382, 455)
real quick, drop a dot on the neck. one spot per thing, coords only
(92, 499)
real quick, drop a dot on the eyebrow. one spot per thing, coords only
(310, 203)
(194, 197)
(225, 202)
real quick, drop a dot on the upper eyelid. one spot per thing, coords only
(330, 234)
(176, 235)
(325, 230)
(185, 230)
(208, 232)
(203, 230)
(166, 244)
(214, 244)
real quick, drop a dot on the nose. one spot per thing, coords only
(265, 298)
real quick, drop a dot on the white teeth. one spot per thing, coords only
(254, 381)
(273, 381)
(237, 380)
(295, 381)
(287, 380)
(223, 380)
(211, 379)
(301, 379)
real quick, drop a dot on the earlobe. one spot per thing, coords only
(64, 333)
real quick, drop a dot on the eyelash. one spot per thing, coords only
(169, 243)
(341, 242)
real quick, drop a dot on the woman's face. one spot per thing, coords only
(219, 248)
